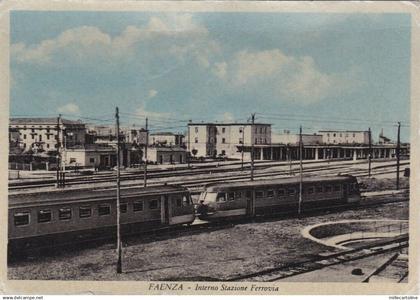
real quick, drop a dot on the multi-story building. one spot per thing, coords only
(102, 134)
(293, 139)
(214, 139)
(335, 137)
(166, 139)
(40, 134)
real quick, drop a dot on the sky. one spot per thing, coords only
(321, 71)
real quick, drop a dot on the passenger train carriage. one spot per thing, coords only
(61, 217)
(241, 199)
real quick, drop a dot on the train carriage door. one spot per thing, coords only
(165, 210)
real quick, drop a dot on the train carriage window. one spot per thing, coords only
(270, 193)
(178, 202)
(231, 196)
(85, 211)
(337, 188)
(238, 195)
(221, 197)
(318, 189)
(153, 204)
(44, 216)
(104, 209)
(259, 194)
(328, 188)
(138, 206)
(281, 192)
(123, 208)
(185, 201)
(291, 191)
(64, 213)
(311, 190)
(248, 194)
(21, 218)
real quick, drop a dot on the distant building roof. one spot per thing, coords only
(166, 133)
(343, 131)
(52, 121)
(226, 124)
(167, 149)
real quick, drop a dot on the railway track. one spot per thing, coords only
(298, 268)
(195, 184)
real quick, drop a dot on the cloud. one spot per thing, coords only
(152, 93)
(69, 108)
(177, 35)
(228, 117)
(142, 112)
(290, 77)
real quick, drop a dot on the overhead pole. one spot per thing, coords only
(57, 138)
(370, 153)
(243, 145)
(119, 244)
(145, 154)
(189, 145)
(398, 155)
(252, 146)
(301, 171)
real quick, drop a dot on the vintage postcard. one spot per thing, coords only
(209, 147)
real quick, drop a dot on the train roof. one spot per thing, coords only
(75, 195)
(277, 181)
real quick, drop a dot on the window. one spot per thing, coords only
(123, 208)
(196, 140)
(153, 204)
(40, 138)
(240, 129)
(48, 130)
(21, 218)
(256, 141)
(238, 195)
(259, 194)
(48, 146)
(328, 134)
(48, 137)
(196, 129)
(92, 160)
(32, 130)
(138, 206)
(281, 192)
(261, 130)
(337, 188)
(319, 189)
(104, 209)
(311, 190)
(185, 201)
(328, 188)
(354, 135)
(64, 213)
(256, 130)
(291, 191)
(334, 135)
(248, 194)
(24, 136)
(178, 202)
(85, 211)
(231, 196)
(221, 197)
(270, 193)
(223, 129)
(44, 216)
(223, 140)
(241, 141)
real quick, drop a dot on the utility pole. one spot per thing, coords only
(57, 138)
(370, 152)
(243, 145)
(301, 171)
(145, 154)
(398, 156)
(119, 244)
(252, 147)
(189, 145)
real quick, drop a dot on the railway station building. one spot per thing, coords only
(166, 155)
(221, 139)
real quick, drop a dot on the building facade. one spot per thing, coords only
(166, 139)
(293, 139)
(166, 155)
(41, 134)
(221, 139)
(346, 137)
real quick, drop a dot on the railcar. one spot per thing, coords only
(62, 217)
(248, 199)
